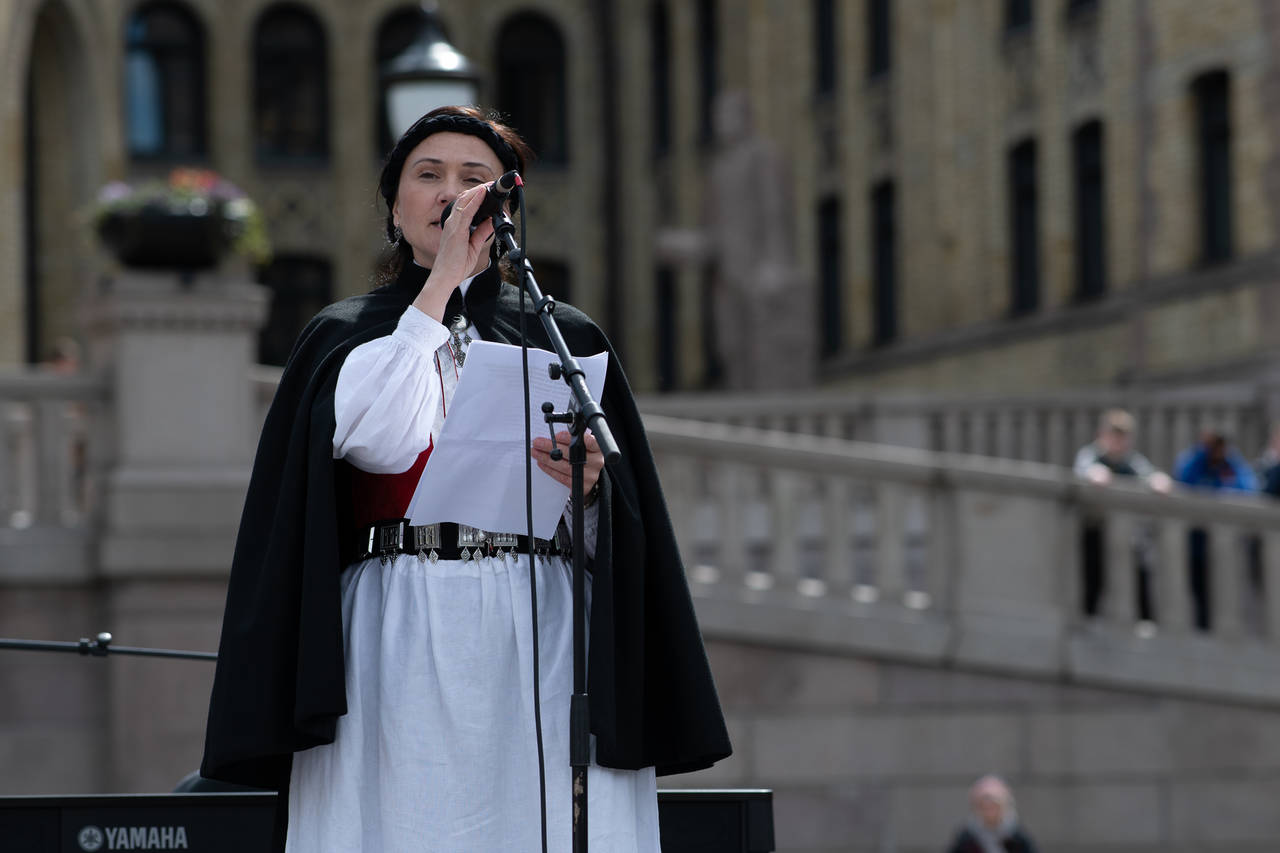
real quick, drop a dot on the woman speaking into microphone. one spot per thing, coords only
(381, 675)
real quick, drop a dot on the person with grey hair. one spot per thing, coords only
(1110, 457)
(1111, 454)
(993, 825)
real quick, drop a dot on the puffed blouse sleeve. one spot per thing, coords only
(388, 395)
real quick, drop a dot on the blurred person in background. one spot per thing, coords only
(1269, 464)
(1112, 455)
(993, 825)
(64, 357)
(1211, 463)
(1109, 456)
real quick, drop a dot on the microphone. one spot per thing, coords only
(494, 197)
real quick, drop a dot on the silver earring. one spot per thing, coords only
(399, 234)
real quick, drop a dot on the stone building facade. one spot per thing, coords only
(988, 195)
(70, 133)
(1183, 286)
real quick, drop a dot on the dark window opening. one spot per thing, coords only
(164, 83)
(300, 286)
(291, 95)
(712, 365)
(1077, 9)
(1017, 15)
(530, 65)
(660, 61)
(708, 68)
(1212, 94)
(1024, 229)
(879, 46)
(824, 46)
(667, 316)
(553, 280)
(884, 264)
(830, 307)
(1090, 204)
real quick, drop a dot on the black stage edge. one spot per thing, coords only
(705, 821)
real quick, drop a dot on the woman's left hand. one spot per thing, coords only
(561, 470)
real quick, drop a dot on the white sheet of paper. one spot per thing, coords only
(475, 473)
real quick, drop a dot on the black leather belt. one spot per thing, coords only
(447, 541)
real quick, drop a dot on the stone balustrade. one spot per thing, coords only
(54, 446)
(798, 538)
(946, 559)
(1046, 427)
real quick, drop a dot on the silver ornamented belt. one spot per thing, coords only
(446, 540)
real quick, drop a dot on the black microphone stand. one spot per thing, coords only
(583, 412)
(100, 647)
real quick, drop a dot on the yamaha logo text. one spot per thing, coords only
(93, 839)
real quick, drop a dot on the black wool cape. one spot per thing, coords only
(280, 685)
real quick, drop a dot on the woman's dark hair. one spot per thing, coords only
(510, 149)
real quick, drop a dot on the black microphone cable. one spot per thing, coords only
(528, 503)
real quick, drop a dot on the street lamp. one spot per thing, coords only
(428, 73)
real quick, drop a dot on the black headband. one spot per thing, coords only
(389, 184)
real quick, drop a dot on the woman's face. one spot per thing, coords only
(435, 172)
(990, 810)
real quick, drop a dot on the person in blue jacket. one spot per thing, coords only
(1211, 463)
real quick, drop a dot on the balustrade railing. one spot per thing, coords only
(52, 444)
(1047, 427)
(797, 534)
(915, 553)
(54, 440)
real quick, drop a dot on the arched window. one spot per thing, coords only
(290, 86)
(164, 82)
(530, 66)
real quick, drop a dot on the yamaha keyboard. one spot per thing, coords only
(718, 821)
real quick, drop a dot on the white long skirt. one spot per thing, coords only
(437, 751)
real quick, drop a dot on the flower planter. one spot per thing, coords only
(153, 238)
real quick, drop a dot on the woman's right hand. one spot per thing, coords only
(460, 254)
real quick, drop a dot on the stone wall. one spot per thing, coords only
(865, 754)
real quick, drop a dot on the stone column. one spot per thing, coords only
(178, 351)
(1013, 550)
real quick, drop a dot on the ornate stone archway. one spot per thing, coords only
(57, 138)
